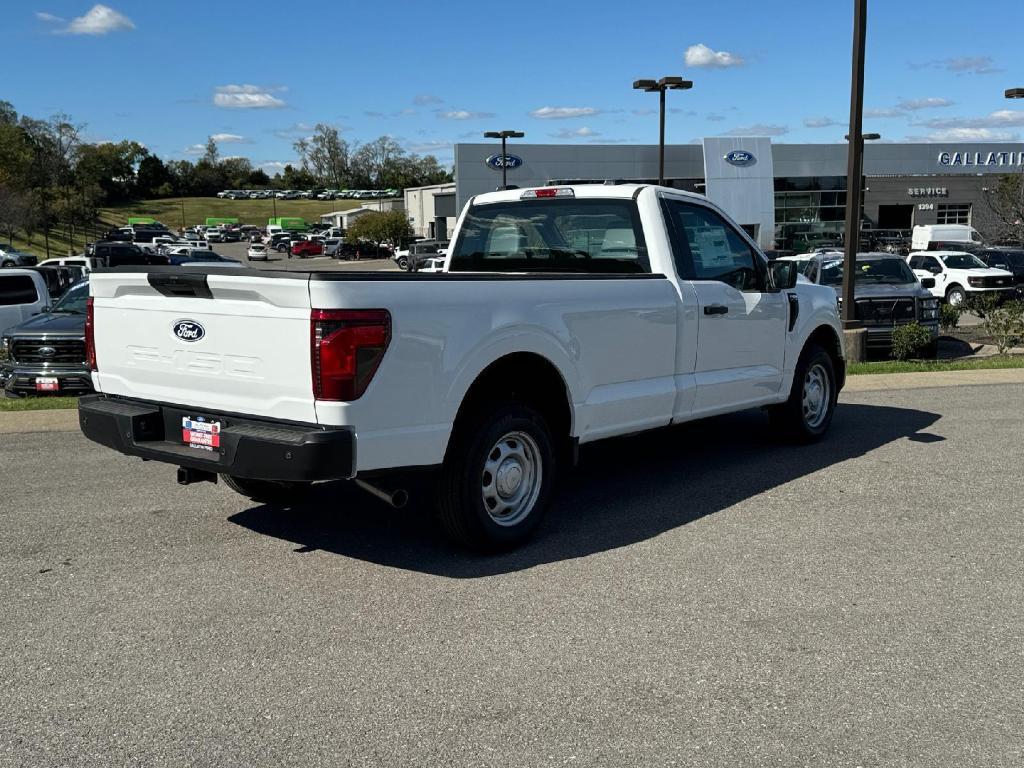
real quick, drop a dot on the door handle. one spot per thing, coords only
(716, 309)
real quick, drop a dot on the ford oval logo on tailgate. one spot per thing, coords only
(741, 158)
(189, 330)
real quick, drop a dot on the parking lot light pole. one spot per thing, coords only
(854, 170)
(671, 83)
(504, 136)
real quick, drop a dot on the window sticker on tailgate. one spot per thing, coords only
(199, 433)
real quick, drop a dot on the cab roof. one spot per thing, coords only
(582, 191)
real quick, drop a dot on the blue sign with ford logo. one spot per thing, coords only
(497, 162)
(740, 157)
(189, 330)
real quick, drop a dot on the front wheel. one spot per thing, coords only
(403, 263)
(278, 493)
(956, 296)
(497, 479)
(805, 417)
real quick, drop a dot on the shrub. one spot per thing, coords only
(949, 317)
(981, 303)
(909, 341)
(1005, 325)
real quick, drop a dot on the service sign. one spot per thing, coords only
(497, 162)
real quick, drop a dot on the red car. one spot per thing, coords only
(307, 248)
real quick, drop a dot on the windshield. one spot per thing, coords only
(552, 235)
(963, 261)
(875, 272)
(73, 302)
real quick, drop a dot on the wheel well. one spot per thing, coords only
(527, 378)
(826, 338)
(951, 286)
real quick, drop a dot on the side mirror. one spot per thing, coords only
(781, 276)
(928, 282)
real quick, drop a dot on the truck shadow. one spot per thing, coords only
(625, 491)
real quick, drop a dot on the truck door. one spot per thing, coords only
(741, 326)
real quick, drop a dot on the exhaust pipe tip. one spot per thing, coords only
(397, 498)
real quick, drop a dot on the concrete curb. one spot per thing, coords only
(59, 420)
(874, 382)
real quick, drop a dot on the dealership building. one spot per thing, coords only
(788, 196)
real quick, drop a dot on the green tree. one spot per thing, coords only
(212, 153)
(151, 176)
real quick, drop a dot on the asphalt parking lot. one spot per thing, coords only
(281, 260)
(699, 596)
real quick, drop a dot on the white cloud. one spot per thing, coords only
(714, 117)
(968, 134)
(561, 113)
(758, 129)
(247, 97)
(963, 65)
(819, 122)
(230, 138)
(702, 57)
(912, 105)
(426, 99)
(98, 20)
(578, 133)
(463, 114)
(273, 165)
(884, 112)
(1002, 118)
(430, 147)
(49, 18)
(194, 149)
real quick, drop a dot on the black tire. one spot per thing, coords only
(956, 296)
(268, 491)
(403, 263)
(791, 419)
(6, 264)
(466, 516)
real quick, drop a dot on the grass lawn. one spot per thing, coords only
(169, 212)
(37, 403)
(927, 366)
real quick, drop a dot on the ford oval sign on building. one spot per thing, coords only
(740, 158)
(497, 162)
(188, 330)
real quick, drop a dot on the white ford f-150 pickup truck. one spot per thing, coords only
(564, 315)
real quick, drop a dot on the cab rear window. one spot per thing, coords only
(552, 235)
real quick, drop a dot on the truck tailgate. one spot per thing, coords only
(236, 343)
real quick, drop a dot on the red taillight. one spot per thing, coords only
(346, 346)
(90, 335)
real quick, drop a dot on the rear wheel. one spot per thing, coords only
(403, 263)
(807, 414)
(497, 479)
(956, 296)
(268, 491)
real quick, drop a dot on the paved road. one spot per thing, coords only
(698, 597)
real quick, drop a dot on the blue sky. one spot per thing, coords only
(259, 74)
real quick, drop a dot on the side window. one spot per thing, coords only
(708, 248)
(932, 264)
(915, 262)
(17, 289)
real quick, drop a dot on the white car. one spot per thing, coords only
(566, 315)
(196, 243)
(959, 274)
(257, 252)
(87, 263)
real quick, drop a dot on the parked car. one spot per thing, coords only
(887, 294)
(215, 235)
(412, 259)
(304, 248)
(58, 279)
(571, 316)
(959, 274)
(257, 252)
(951, 237)
(12, 257)
(200, 256)
(347, 251)
(1009, 258)
(88, 263)
(22, 294)
(127, 254)
(46, 353)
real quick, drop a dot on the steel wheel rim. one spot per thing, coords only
(956, 298)
(511, 479)
(816, 396)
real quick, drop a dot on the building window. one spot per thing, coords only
(953, 214)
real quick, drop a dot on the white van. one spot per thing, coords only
(22, 294)
(87, 263)
(942, 234)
